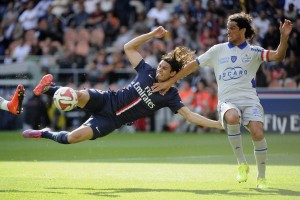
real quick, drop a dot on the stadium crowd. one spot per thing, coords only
(88, 36)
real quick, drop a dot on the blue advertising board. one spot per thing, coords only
(282, 110)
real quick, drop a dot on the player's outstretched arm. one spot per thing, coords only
(163, 87)
(285, 30)
(197, 119)
(131, 47)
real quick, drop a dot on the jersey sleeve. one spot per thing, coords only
(143, 66)
(261, 53)
(175, 102)
(265, 55)
(205, 60)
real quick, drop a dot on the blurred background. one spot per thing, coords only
(81, 43)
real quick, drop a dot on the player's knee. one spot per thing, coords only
(257, 134)
(83, 98)
(256, 130)
(232, 117)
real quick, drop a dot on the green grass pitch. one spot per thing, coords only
(144, 166)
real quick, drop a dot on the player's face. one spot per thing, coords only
(163, 71)
(235, 35)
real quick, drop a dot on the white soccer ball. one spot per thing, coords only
(65, 99)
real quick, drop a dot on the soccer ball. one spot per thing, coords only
(65, 99)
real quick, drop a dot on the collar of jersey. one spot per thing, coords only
(241, 46)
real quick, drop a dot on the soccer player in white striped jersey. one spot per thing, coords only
(235, 64)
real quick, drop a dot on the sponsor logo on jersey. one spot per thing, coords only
(144, 94)
(232, 73)
(246, 58)
(256, 49)
(98, 129)
(150, 76)
(223, 60)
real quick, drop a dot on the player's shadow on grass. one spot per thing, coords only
(117, 192)
(27, 191)
(278, 191)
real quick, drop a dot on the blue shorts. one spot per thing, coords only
(102, 120)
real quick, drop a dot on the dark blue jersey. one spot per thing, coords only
(137, 100)
(110, 110)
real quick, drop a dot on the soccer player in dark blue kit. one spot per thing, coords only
(112, 109)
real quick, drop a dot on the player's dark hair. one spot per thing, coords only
(243, 20)
(179, 57)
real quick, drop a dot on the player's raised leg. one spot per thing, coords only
(15, 104)
(64, 137)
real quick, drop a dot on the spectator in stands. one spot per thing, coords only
(111, 26)
(210, 22)
(96, 18)
(231, 6)
(42, 6)
(22, 50)
(201, 96)
(179, 33)
(140, 26)
(291, 13)
(185, 9)
(271, 38)
(80, 18)
(205, 37)
(261, 23)
(14, 106)
(29, 18)
(158, 14)
(287, 4)
(277, 74)
(8, 25)
(214, 8)
(199, 10)
(98, 68)
(118, 72)
(125, 34)
(67, 17)
(150, 57)
(292, 68)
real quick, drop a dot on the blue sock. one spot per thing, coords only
(60, 137)
(52, 90)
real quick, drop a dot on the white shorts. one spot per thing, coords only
(248, 110)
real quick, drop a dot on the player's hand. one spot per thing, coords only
(219, 126)
(286, 27)
(162, 87)
(159, 32)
